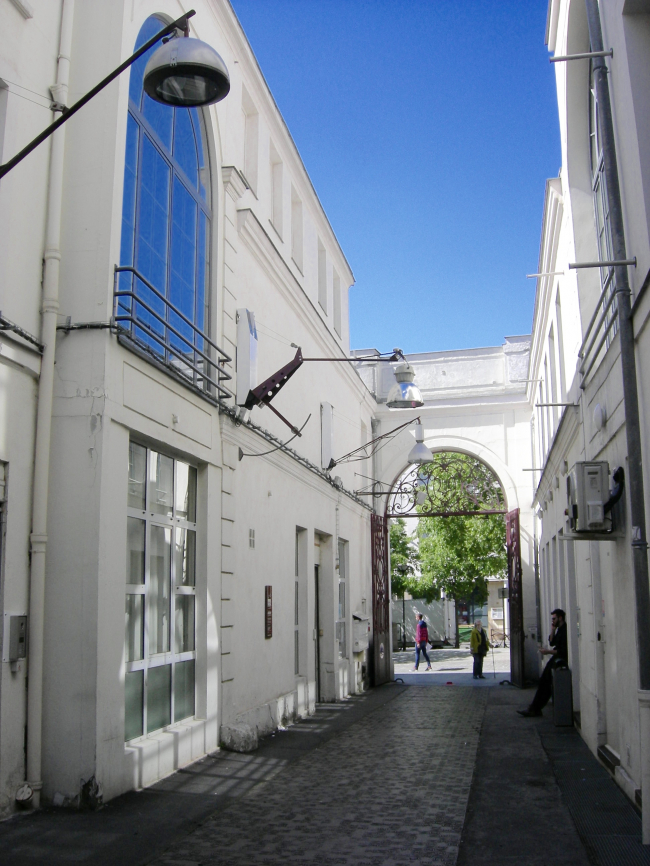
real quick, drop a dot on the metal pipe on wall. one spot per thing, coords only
(50, 308)
(630, 397)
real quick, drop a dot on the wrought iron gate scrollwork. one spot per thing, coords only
(515, 600)
(380, 600)
(451, 485)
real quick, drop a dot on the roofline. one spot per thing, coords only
(255, 61)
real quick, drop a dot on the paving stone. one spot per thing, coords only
(391, 790)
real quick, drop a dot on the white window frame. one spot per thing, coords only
(171, 657)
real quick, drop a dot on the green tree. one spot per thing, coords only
(404, 558)
(457, 554)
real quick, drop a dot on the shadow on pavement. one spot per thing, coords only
(133, 829)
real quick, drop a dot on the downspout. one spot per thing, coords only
(49, 311)
(631, 401)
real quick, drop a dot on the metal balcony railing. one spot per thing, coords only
(148, 322)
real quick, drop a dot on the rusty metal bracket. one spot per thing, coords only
(264, 393)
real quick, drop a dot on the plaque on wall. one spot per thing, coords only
(268, 612)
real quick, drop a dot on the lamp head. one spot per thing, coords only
(186, 72)
(420, 453)
(404, 394)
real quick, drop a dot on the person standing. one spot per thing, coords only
(558, 649)
(421, 640)
(478, 646)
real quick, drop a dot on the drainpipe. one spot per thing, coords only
(630, 397)
(49, 311)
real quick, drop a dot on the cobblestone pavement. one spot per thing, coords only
(391, 790)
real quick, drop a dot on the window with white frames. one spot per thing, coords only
(560, 348)
(275, 168)
(553, 372)
(251, 139)
(296, 229)
(322, 277)
(336, 302)
(601, 205)
(160, 610)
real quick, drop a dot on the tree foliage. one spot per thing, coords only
(404, 558)
(457, 554)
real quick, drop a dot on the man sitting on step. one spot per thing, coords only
(559, 652)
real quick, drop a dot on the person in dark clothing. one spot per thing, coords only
(559, 651)
(478, 646)
(421, 640)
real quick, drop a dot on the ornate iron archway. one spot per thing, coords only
(453, 484)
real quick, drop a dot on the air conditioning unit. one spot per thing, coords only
(587, 495)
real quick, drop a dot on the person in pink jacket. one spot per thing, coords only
(421, 640)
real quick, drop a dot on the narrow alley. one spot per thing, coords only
(424, 775)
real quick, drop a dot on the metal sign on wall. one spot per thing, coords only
(268, 611)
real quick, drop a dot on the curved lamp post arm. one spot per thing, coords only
(179, 24)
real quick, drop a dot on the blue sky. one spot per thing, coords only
(428, 128)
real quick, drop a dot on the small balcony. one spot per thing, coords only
(148, 324)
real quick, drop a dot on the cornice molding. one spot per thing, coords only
(233, 182)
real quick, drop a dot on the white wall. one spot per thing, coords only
(106, 394)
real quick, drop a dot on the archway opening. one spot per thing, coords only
(453, 564)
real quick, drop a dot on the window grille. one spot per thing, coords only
(162, 285)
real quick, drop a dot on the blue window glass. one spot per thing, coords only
(183, 259)
(165, 220)
(185, 146)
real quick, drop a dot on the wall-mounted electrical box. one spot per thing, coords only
(15, 638)
(360, 632)
(587, 495)
(246, 355)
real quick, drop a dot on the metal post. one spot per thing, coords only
(630, 392)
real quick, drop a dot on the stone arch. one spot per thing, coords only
(394, 471)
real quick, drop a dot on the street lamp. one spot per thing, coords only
(182, 72)
(404, 394)
(419, 453)
(186, 72)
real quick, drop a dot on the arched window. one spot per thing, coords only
(165, 240)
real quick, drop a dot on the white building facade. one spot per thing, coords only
(476, 402)
(578, 369)
(176, 574)
(186, 582)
